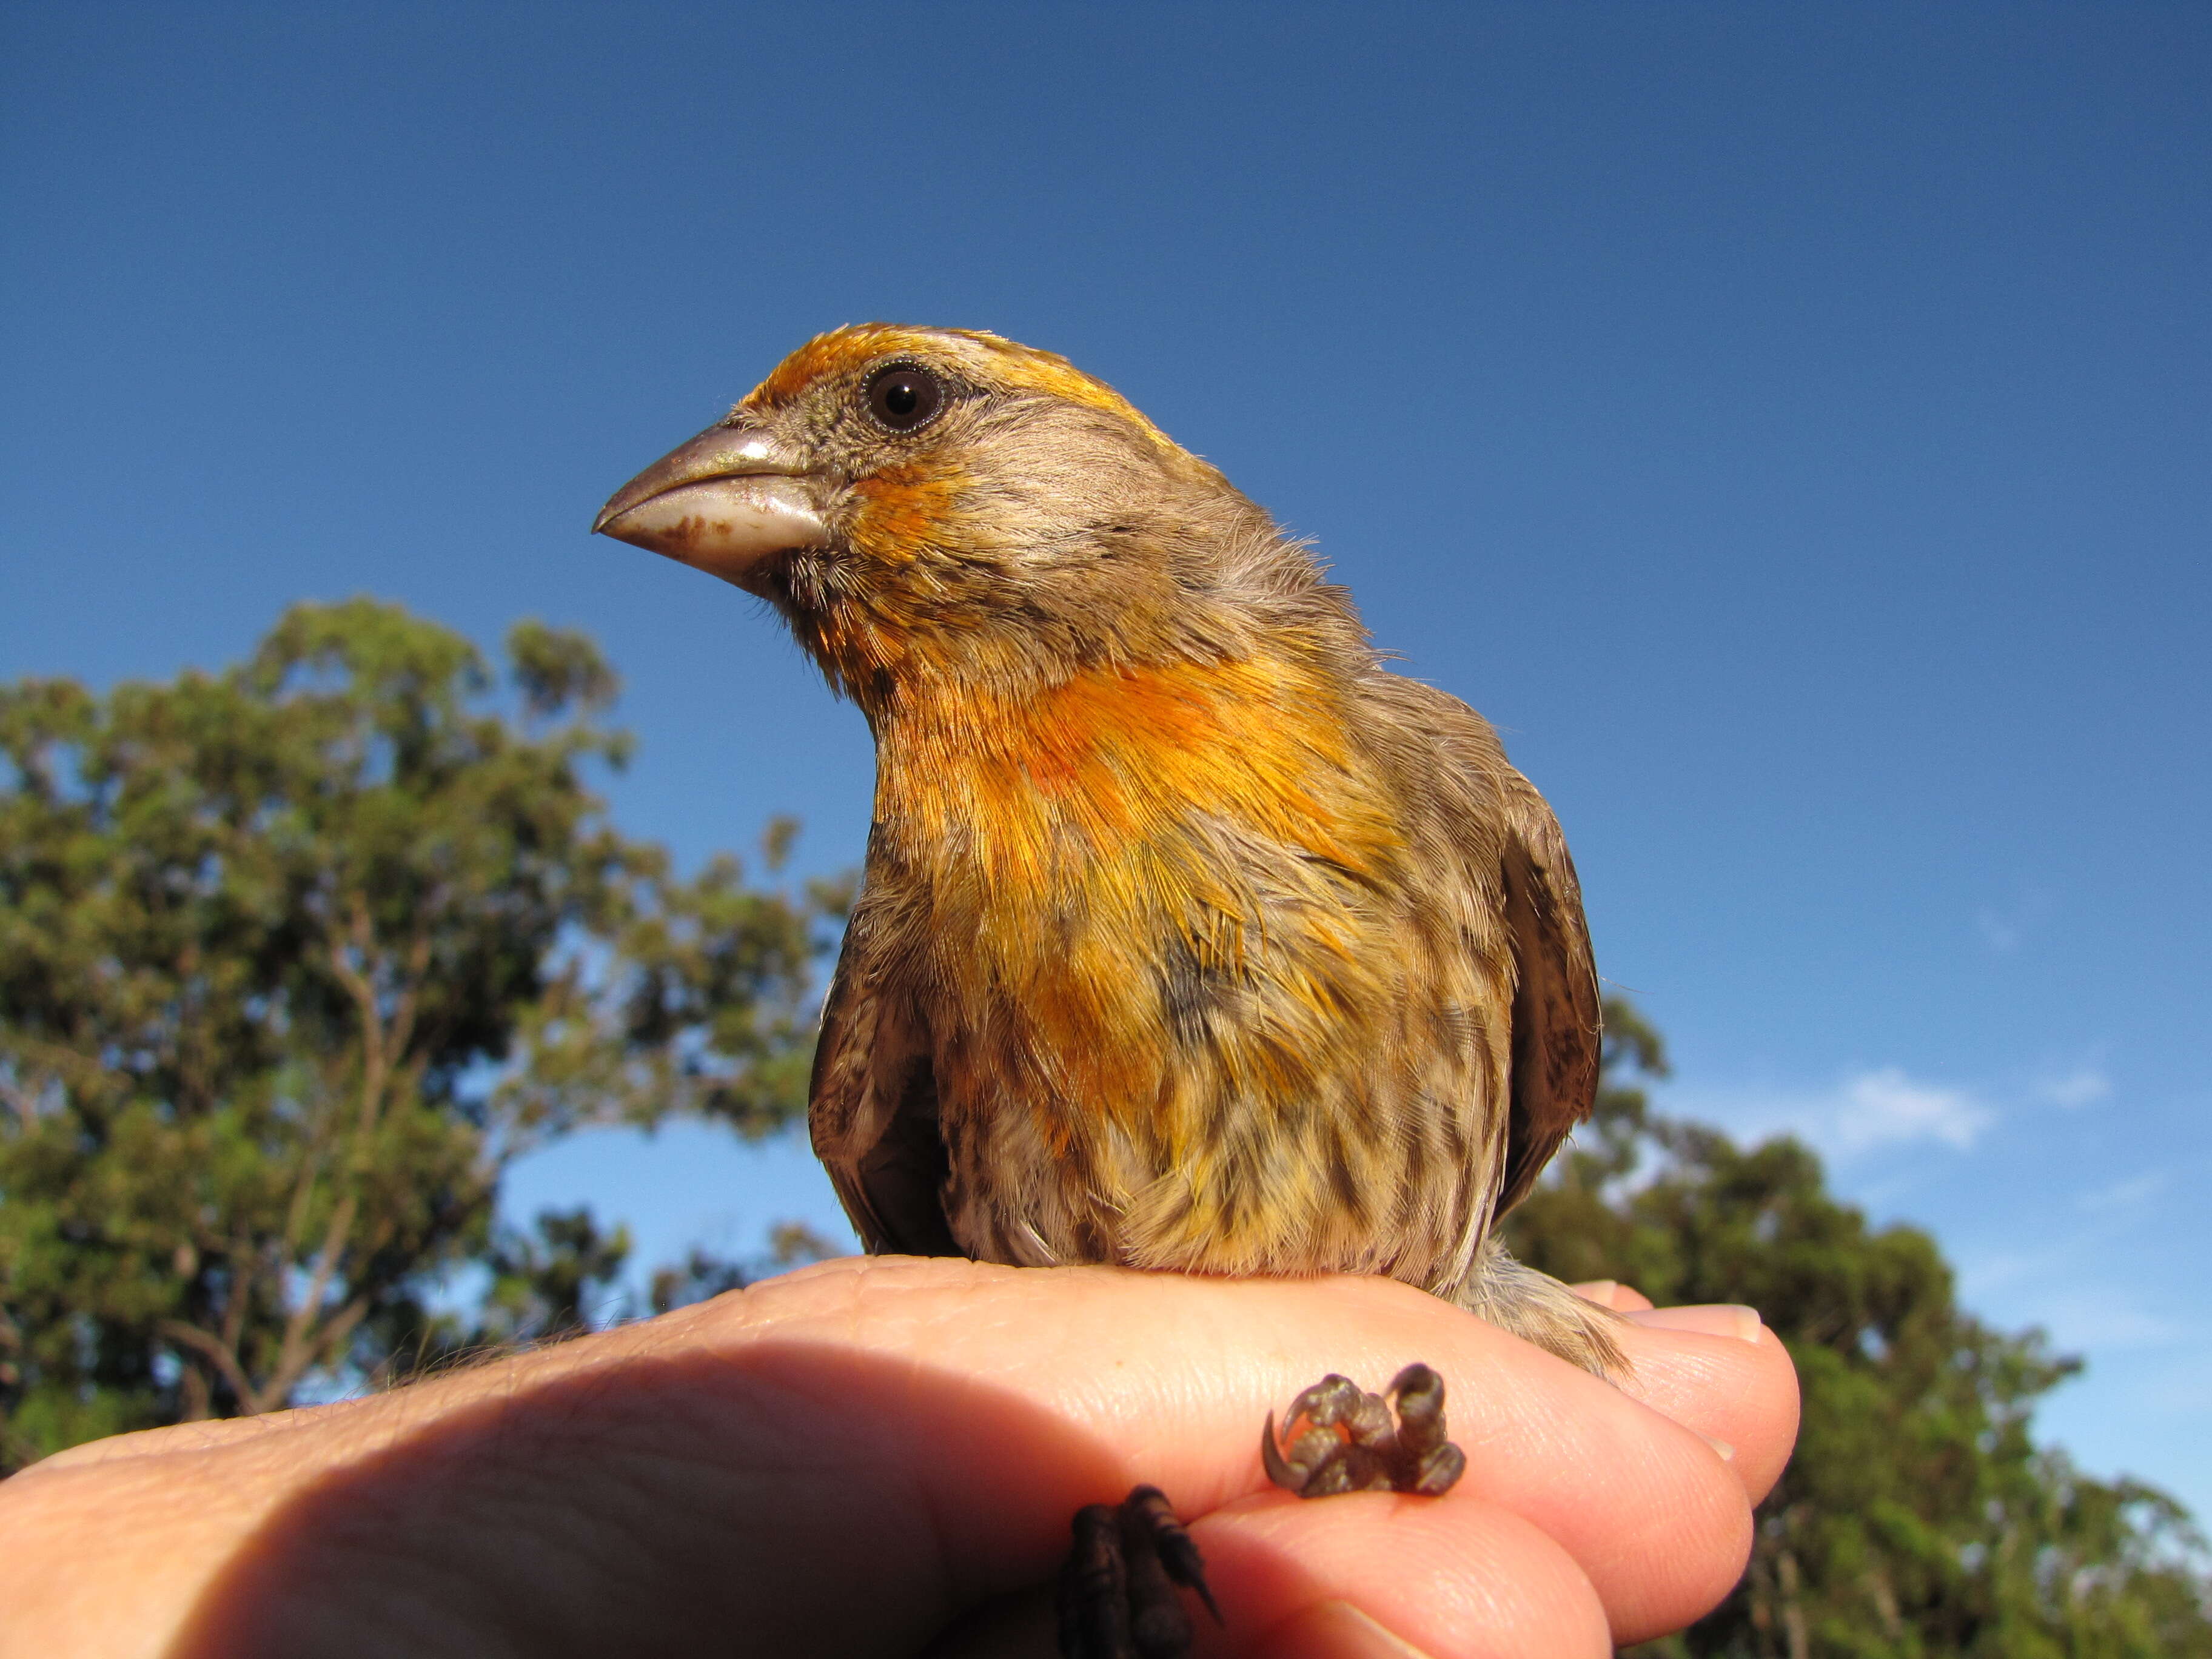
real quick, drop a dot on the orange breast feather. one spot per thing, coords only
(1065, 843)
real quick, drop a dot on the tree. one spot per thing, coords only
(1918, 1516)
(294, 959)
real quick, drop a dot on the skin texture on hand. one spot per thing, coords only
(875, 1456)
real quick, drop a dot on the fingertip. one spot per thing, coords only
(1723, 1387)
(1333, 1629)
(1612, 1293)
(1711, 1319)
(1375, 1576)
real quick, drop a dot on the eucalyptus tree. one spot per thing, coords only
(294, 959)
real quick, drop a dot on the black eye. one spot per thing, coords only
(903, 396)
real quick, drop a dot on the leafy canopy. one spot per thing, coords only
(294, 960)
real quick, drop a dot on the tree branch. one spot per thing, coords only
(225, 1360)
(243, 1269)
(297, 1349)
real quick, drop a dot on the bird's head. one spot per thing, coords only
(940, 507)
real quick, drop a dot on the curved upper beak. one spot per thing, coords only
(724, 503)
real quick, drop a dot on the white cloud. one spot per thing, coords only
(1863, 1113)
(2083, 1086)
(1985, 1274)
(2125, 1195)
(1886, 1108)
(2106, 1319)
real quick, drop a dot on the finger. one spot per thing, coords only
(1335, 1630)
(1366, 1576)
(1612, 1293)
(1692, 1365)
(1357, 1574)
(207, 1434)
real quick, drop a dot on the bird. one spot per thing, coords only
(1191, 936)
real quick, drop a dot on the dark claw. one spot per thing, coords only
(1350, 1443)
(1116, 1595)
(1432, 1463)
(1438, 1471)
(1279, 1467)
(1094, 1589)
(1149, 1507)
(1419, 1393)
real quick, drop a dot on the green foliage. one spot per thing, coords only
(293, 959)
(703, 1276)
(1917, 1516)
(552, 1283)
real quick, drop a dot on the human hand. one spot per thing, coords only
(872, 1456)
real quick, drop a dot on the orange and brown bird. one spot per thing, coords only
(1191, 937)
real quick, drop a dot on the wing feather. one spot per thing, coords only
(1557, 1034)
(1511, 858)
(872, 1107)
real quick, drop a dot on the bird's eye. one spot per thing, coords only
(903, 396)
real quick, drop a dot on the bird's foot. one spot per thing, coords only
(1337, 1438)
(1117, 1592)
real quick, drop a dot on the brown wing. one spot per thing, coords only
(871, 1106)
(1556, 1021)
(1453, 775)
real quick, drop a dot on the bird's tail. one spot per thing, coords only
(1536, 1308)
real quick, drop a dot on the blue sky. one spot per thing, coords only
(1791, 424)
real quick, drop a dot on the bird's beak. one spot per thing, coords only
(724, 503)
